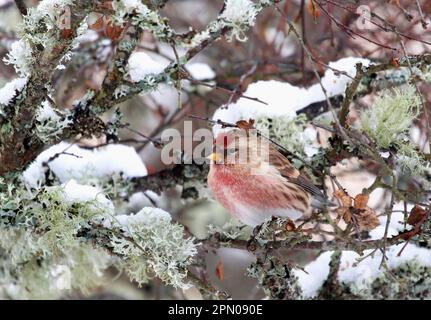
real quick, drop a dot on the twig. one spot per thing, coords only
(241, 81)
(424, 106)
(217, 87)
(206, 286)
(406, 14)
(421, 14)
(388, 220)
(349, 31)
(331, 285)
(388, 27)
(21, 7)
(156, 142)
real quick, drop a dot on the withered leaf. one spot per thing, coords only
(290, 226)
(313, 10)
(345, 199)
(417, 215)
(114, 31)
(395, 62)
(360, 214)
(396, 2)
(361, 201)
(219, 271)
(98, 25)
(65, 33)
(343, 213)
(245, 125)
(366, 218)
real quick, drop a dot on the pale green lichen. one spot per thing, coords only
(113, 125)
(45, 237)
(59, 221)
(230, 230)
(391, 116)
(41, 254)
(410, 160)
(238, 15)
(388, 123)
(121, 91)
(276, 279)
(142, 17)
(41, 24)
(155, 247)
(287, 132)
(78, 268)
(200, 37)
(408, 281)
(50, 123)
(149, 83)
(20, 56)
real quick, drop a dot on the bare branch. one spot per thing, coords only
(21, 7)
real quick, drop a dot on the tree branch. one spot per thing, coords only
(218, 240)
(21, 7)
(178, 175)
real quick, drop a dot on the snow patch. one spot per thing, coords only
(200, 71)
(239, 12)
(146, 216)
(75, 192)
(364, 272)
(142, 64)
(10, 89)
(285, 99)
(84, 163)
(20, 56)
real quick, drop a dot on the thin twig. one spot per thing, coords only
(421, 14)
(217, 87)
(21, 7)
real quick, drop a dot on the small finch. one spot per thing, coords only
(254, 181)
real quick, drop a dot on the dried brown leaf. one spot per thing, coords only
(114, 31)
(313, 11)
(395, 62)
(245, 125)
(363, 216)
(290, 226)
(219, 271)
(98, 25)
(65, 33)
(367, 219)
(345, 199)
(417, 215)
(361, 201)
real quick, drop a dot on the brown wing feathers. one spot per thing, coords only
(286, 169)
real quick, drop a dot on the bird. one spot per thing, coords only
(253, 181)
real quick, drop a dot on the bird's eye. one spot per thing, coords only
(231, 151)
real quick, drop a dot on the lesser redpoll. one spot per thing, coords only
(254, 181)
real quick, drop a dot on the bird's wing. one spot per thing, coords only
(308, 186)
(288, 171)
(282, 164)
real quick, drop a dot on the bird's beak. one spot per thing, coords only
(213, 157)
